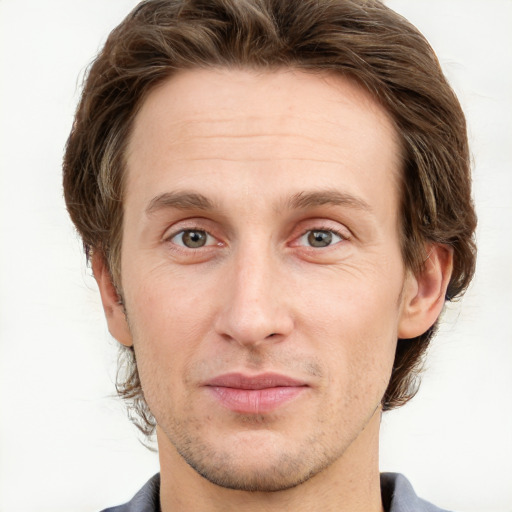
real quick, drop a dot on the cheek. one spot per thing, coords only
(362, 303)
(353, 321)
(173, 303)
(167, 327)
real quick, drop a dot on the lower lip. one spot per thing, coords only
(255, 401)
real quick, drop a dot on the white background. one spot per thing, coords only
(65, 442)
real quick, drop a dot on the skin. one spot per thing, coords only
(277, 156)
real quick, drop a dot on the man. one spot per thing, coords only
(275, 199)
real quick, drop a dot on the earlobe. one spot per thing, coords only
(424, 293)
(112, 304)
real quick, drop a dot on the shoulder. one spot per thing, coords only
(399, 496)
(146, 500)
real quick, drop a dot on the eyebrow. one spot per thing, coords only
(304, 200)
(180, 201)
(299, 201)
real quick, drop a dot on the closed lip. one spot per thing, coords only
(254, 394)
(254, 382)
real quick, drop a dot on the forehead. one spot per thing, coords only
(208, 128)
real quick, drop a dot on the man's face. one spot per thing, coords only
(261, 269)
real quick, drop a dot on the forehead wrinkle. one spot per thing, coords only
(231, 135)
(199, 126)
(258, 159)
(201, 118)
(190, 137)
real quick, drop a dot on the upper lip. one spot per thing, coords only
(261, 381)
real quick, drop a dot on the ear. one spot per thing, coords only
(424, 293)
(112, 305)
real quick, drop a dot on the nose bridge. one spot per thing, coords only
(255, 306)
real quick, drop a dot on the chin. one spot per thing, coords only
(256, 463)
(278, 476)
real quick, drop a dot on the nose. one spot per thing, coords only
(255, 307)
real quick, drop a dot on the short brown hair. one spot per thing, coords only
(361, 39)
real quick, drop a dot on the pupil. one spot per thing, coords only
(319, 238)
(194, 239)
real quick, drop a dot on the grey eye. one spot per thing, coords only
(193, 239)
(320, 238)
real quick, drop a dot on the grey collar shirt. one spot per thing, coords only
(397, 496)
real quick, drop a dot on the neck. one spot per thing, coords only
(350, 484)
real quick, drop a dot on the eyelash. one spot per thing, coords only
(339, 234)
(342, 237)
(191, 230)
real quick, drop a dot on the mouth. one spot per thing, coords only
(256, 394)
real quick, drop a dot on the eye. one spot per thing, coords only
(192, 238)
(320, 238)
